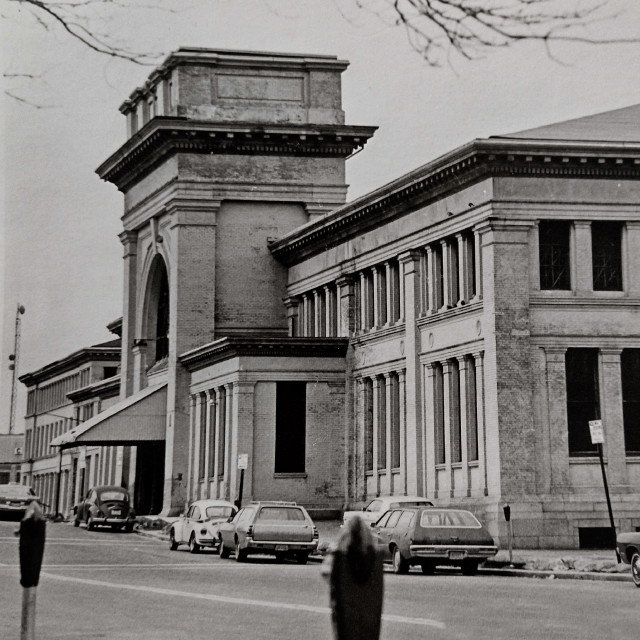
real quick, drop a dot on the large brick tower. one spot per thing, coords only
(226, 150)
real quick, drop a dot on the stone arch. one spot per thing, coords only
(155, 316)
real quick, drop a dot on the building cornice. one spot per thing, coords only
(266, 347)
(466, 165)
(73, 361)
(165, 136)
(103, 389)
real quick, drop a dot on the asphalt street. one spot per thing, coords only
(102, 584)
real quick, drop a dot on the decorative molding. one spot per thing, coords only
(163, 137)
(267, 347)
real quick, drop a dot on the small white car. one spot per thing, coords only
(198, 527)
(372, 511)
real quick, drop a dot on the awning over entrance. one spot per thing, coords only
(139, 418)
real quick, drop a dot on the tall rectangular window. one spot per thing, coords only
(382, 422)
(583, 399)
(472, 411)
(454, 413)
(606, 247)
(291, 431)
(553, 243)
(438, 412)
(211, 408)
(202, 399)
(395, 420)
(222, 429)
(630, 372)
(367, 400)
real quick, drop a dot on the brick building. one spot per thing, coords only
(449, 334)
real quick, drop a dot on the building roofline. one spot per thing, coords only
(453, 171)
(73, 360)
(268, 347)
(103, 389)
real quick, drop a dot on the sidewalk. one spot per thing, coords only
(576, 564)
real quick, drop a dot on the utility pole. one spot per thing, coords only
(13, 367)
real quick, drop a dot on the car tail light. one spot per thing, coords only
(315, 532)
(250, 530)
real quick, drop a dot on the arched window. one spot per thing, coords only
(162, 319)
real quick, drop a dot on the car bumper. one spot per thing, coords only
(207, 542)
(274, 546)
(452, 553)
(113, 521)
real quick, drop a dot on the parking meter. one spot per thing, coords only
(356, 584)
(31, 546)
(507, 512)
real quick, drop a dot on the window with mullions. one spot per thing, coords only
(583, 399)
(606, 247)
(630, 373)
(553, 242)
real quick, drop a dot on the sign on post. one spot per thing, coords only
(597, 434)
(243, 460)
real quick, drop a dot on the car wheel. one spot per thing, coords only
(76, 522)
(469, 567)
(428, 568)
(90, 525)
(173, 545)
(222, 550)
(241, 554)
(400, 565)
(302, 558)
(635, 569)
(194, 547)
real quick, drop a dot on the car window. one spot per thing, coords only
(114, 495)
(196, 514)
(393, 518)
(406, 519)
(373, 506)
(409, 503)
(239, 515)
(382, 522)
(218, 511)
(448, 518)
(278, 514)
(190, 512)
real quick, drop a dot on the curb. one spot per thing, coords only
(486, 571)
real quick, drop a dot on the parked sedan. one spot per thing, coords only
(106, 506)
(376, 507)
(283, 529)
(198, 526)
(629, 549)
(14, 500)
(432, 536)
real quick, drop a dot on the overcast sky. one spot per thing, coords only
(59, 252)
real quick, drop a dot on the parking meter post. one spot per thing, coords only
(238, 502)
(356, 584)
(31, 550)
(606, 492)
(507, 517)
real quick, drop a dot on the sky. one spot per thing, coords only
(60, 255)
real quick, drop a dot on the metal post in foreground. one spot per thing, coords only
(507, 517)
(606, 492)
(31, 549)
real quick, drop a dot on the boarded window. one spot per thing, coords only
(583, 403)
(291, 406)
(555, 270)
(630, 371)
(606, 244)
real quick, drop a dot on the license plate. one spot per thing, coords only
(116, 513)
(282, 547)
(456, 555)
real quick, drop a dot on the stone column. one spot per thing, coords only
(410, 263)
(319, 329)
(207, 451)
(378, 299)
(346, 306)
(401, 283)
(389, 302)
(191, 452)
(403, 430)
(449, 409)
(463, 408)
(432, 294)
(477, 239)
(223, 443)
(216, 439)
(612, 417)
(429, 432)
(463, 271)
(558, 435)
(242, 439)
(582, 284)
(330, 310)
(129, 241)
(291, 304)
(305, 322)
(376, 432)
(364, 302)
(480, 422)
(388, 407)
(228, 444)
(446, 276)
